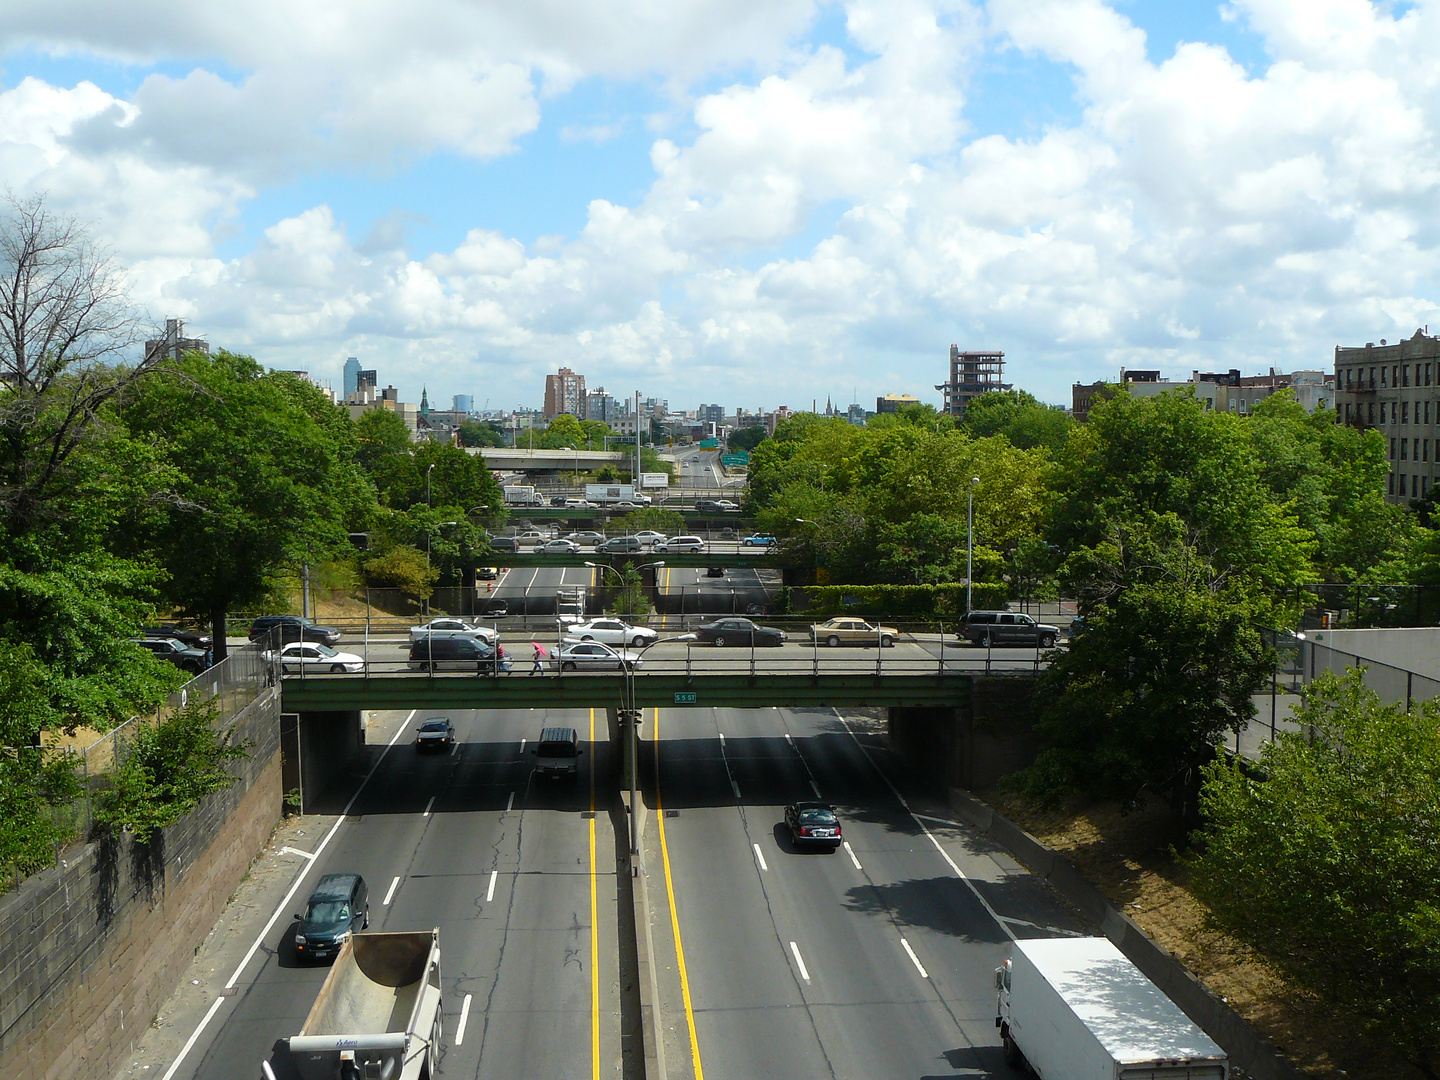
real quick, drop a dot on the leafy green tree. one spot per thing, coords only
(402, 567)
(746, 438)
(1327, 865)
(259, 484)
(480, 433)
(1017, 415)
(563, 431)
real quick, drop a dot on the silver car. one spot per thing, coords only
(451, 628)
(593, 656)
(554, 546)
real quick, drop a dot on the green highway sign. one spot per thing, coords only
(684, 697)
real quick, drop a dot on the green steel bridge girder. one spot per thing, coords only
(337, 693)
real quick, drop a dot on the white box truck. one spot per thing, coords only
(1078, 1009)
(609, 494)
(523, 495)
(377, 1013)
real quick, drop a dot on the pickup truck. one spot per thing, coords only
(377, 1013)
(1079, 1007)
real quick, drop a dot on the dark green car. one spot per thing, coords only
(339, 906)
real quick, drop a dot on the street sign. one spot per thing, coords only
(684, 697)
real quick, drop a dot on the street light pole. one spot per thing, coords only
(970, 546)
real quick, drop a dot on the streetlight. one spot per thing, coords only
(970, 545)
(428, 470)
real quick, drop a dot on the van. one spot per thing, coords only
(557, 754)
(1007, 628)
(433, 653)
(339, 907)
(680, 543)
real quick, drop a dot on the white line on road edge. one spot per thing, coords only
(454, 749)
(722, 738)
(390, 893)
(296, 851)
(789, 739)
(510, 802)
(490, 892)
(284, 903)
(804, 974)
(815, 788)
(1001, 923)
(522, 744)
(914, 959)
(851, 852)
(760, 857)
(428, 805)
(464, 1015)
(736, 787)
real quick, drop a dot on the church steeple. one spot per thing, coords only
(425, 402)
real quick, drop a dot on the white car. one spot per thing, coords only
(612, 632)
(591, 655)
(680, 543)
(451, 628)
(314, 658)
(650, 536)
(726, 505)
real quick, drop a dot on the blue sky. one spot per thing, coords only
(760, 203)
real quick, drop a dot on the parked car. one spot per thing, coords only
(455, 654)
(813, 823)
(613, 631)
(680, 543)
(618, 544)
(552, 547)
(758, 540)
(451, 627)
(437, 733)
(314, 658)
(1007, 628)
(339, 906)
(587, 539)
(177, 652)
(504, 543)
(593, 656)
(193, 639)
(736, 631)
(850, 631)
(293, 628)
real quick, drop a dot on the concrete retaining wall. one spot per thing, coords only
(90, 949)
(970, 748)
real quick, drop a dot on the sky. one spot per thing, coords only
(749, 202)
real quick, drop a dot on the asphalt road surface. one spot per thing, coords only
(873, 961)
(513, 872)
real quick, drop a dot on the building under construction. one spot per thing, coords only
(971, 374)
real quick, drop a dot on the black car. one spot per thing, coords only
(736, 631)
(293, 628)
(619, 544)
(714, 571)
(453, 654)
(177, 652)
(813, 823)
(504, 543)
(437, 733)
(193, 638)
(557, 500)
(1007, 628)
(339, 906)
(707, 506)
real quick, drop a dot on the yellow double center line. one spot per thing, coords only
(674, 916)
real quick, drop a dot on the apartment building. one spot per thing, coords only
(1396, 390)
(564, 393)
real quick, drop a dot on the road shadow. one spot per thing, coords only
(942, 904)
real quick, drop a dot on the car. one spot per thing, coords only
(338, 907)
(557, 753)
(613, 631)
(813, 823)
(1007, 628)
(552, 547)
(851, 631)
(578, 504)
(530, 536)
(624, 505)
(650, 536)
(176, 652)
(293, 628)
(486, 573)
(714, 571)
(726, 506)
(454, 654)
(437, 733)
(707, 506)
(452, 627)
(194, 639)
(758, 540)
(756, 609)
(593, 656)
(587, 539)
(680, 543)
(313, 658)
(619, 544)
(493, 608)
(504, 543)
(737, 631)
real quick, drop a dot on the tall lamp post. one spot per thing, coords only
(632, 716)
(970, 545)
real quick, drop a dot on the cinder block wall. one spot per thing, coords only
(90, 950)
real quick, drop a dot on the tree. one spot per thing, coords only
(564, 431)
(1327, 866)
(746, 438)
(259, 484)
(1022, 419)
(480, 433)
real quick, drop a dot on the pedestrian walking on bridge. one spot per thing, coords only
(540, 654)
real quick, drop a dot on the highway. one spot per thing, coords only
(873, 961)
(515, 875)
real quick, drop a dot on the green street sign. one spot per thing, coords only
(683, 697)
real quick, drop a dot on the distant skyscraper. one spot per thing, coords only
(352, 371)
(462, 403)
(565, 393)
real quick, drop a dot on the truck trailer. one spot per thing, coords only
(377, 1013)
(1078, 1009)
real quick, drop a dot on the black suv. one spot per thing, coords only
(504, 543)
(1007, 628)
(339, 906)
(708, 506)
(293, 628)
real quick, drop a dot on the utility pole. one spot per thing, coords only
(970, 546)
(637, 440)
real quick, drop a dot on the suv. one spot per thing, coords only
(619, 543)
(707, 506)
(1007, 628)
(339, 906)
(433, 653)
(680, 543)
(177, 652)
(504, 543)
(558, 753)
(293, 628)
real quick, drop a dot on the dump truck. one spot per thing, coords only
(1077, 1007)
(377, 1013)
